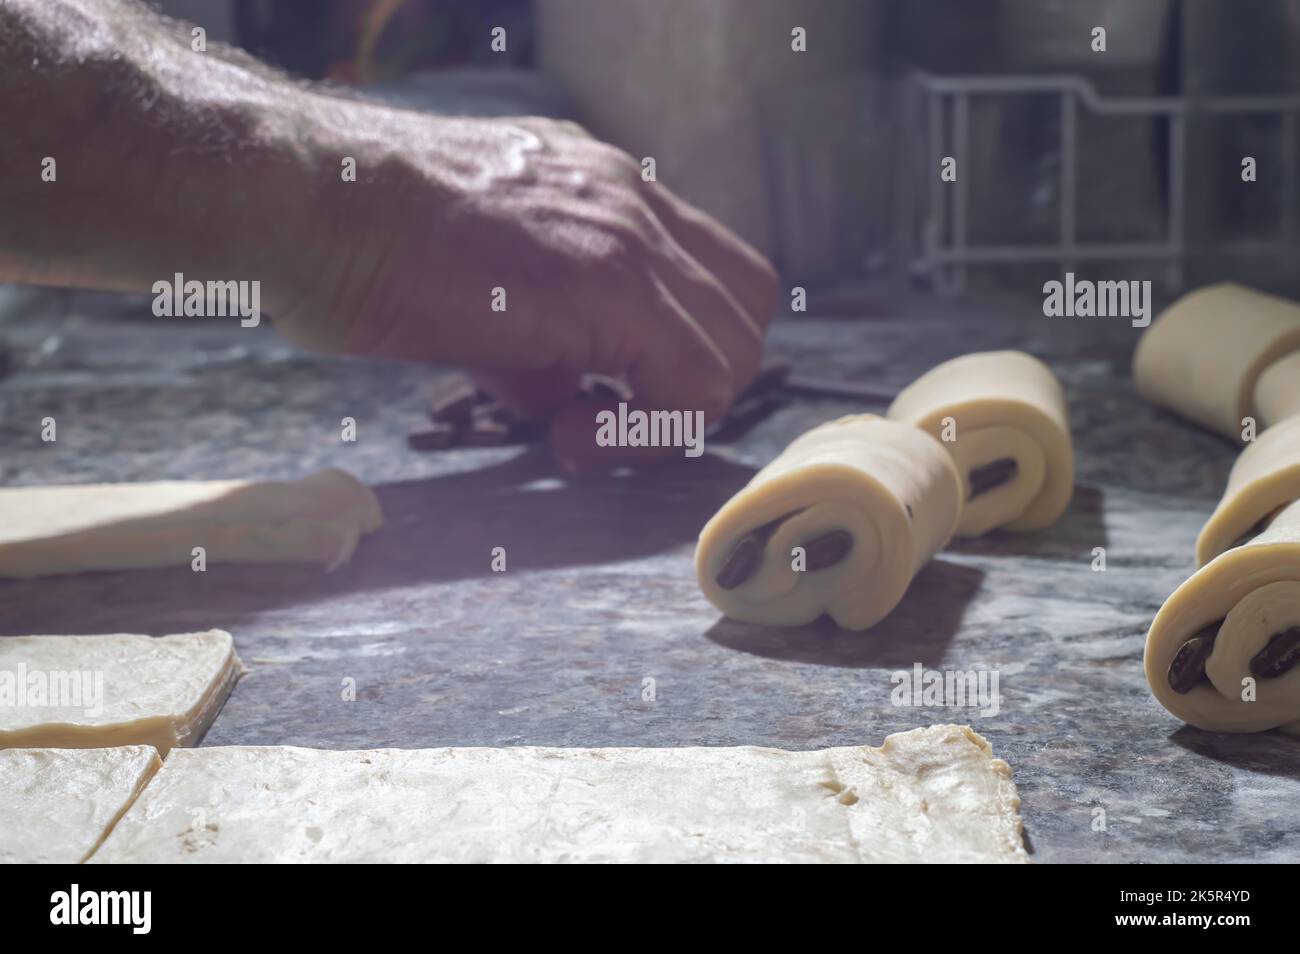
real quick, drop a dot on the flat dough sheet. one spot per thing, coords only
(80, 527)
(929, 795)
(56, 805)
(160, 691)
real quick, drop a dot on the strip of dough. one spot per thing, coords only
(887, 487)
(56, 805)
(1265, 478)
(1252, 594)
(1277, 393)
(80, 527)
(1012, 431)
(929, 795)
(1203, 356)
(160, 691)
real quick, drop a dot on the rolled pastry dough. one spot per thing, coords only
(1203, 356)
(887, 491)
(1005, 406)
(119, 689)
(929, 795)
(1277, 393)
(1265, 478)
(56, 805)
(74, 528)
(1252, 595)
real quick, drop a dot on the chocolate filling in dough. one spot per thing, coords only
(1280, 655)
(827, 550)
(991, 476)
(747, 555)
(1188, 668)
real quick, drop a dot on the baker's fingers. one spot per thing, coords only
(534, 393)
(659, 259)
(745, 274)
(738, 266)
(712, 307)
(676, 368)
(680, 366)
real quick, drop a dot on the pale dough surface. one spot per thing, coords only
(75, 528)
(1004, 404)
(1277, 393)
(1204, 354)
(891, 485)
(929, 795)
(1266, 476)
(160, 691)
(57, 804)
(1255, 588)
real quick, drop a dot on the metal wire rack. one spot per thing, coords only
(942, 104)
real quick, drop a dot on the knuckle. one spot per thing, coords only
(621, 163)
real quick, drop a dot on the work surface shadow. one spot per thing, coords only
(919, 629)
(436, 530)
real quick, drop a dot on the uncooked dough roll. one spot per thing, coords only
(1236, 618)
(1012, 430)
(869, 500)
(1203, 356)
(1265, 478)
(1277, 393)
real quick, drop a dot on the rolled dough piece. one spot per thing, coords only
(1238, 617)
(868, 499)
(928, 795)
(1203, 356)
(56, 805)
(74, 528)
(1277, 393)
(1265, 478)
(121, 689)
(1012, 429)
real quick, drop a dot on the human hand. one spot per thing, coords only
(601, 271)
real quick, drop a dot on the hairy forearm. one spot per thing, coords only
(163, 157)
(170, 159)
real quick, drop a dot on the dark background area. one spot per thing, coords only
(807, 155)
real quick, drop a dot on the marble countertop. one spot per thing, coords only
(599, 593)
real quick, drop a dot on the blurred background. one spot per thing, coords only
(1125, 163)
(828, 160)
